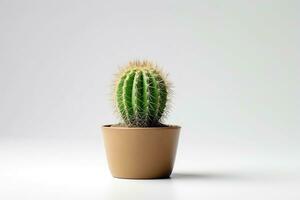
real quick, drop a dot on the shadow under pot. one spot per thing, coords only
(140, 153)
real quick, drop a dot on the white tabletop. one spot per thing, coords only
(77, 169)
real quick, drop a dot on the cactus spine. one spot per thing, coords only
(141, 94)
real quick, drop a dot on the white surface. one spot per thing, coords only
(76, 169)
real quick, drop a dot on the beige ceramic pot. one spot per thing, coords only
(140, 153)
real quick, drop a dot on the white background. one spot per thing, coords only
(235, 70)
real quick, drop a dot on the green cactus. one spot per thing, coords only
(141, 94)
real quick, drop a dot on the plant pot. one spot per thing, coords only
(140, 153)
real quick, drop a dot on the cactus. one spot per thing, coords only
(141, 94)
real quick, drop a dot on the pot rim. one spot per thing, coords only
(109, 126)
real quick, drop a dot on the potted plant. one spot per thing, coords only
(141, 146)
